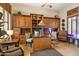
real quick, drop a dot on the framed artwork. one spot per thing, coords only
(63, 20)
(63, 24)
(63, 28)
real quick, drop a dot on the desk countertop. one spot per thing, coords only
(10, 41)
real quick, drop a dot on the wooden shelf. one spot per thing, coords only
(24, 21)
(36, 18)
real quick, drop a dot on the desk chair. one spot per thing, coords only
(29, 39)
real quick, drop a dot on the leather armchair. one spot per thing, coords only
(62, 35)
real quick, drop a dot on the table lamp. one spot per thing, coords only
(10, 32)
(41, 23)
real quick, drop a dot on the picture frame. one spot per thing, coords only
(63, 20)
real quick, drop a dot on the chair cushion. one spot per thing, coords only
(29, 40)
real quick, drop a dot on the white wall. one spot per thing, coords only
(25, 9)
(63, 13)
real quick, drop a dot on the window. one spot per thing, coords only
(78, 24)
(72, 25)
(69, 25)
(6, 19)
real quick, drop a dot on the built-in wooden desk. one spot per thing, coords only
(40, 43)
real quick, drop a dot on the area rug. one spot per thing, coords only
(47, 52)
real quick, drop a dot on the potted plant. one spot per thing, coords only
(1, 14)
(1, 25)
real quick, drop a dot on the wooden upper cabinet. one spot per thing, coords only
(15, 21)
(52, 22)
(6, 6)
(46, 21)
(73, 11)
(22, 21)
(28, 22)
(57, 23)
(25, 22)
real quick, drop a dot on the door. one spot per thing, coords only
(73, 24)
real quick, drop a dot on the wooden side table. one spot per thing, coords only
(7, 43)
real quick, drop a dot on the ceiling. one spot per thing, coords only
(56, 6)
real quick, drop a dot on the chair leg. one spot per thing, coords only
(7, 47)
(30, 43)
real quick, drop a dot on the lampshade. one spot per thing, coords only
(9, 32)
(41, 23)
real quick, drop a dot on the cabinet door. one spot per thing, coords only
(8, 7)
(15, 21)
(22, 39)
(46, 21)
(57, 23)
(21, 21)
(16, 33)
(52, 23)
(47, 42)
(28, 22)
(37, 44)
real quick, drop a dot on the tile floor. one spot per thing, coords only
(64, 48)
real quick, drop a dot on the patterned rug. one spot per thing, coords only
(47, 52)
